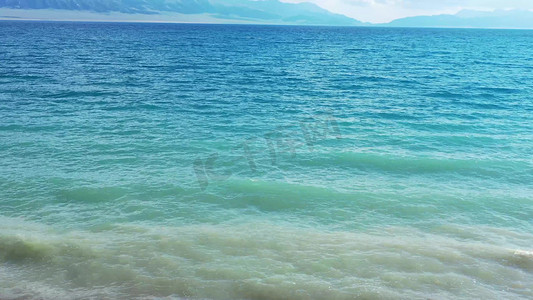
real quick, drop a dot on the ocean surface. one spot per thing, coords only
(142, 161)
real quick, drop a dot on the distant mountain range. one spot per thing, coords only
(471, 19)
(242, 11)
(265, 11)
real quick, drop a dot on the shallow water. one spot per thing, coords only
(265, 162)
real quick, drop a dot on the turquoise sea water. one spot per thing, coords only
(265, 162)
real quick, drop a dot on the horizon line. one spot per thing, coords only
(371, 25)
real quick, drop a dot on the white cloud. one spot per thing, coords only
(387, 10)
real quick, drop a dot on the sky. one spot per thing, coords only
(378, 11)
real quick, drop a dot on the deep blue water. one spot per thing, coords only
(265, 162)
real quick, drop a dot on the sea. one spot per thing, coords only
(198, 161)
